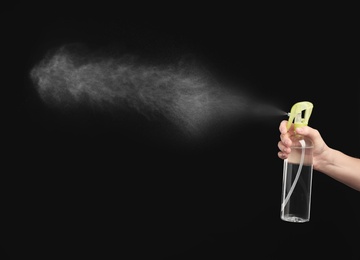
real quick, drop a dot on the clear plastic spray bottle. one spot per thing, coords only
(298, 169)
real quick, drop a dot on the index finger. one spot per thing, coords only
(283, 127)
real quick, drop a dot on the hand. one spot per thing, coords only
(285, 141)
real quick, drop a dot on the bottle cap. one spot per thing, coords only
(300, 114)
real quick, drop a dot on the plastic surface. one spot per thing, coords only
(297, 181)
(300, 114)
(298, 169)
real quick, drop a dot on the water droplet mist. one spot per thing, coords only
(183, 93)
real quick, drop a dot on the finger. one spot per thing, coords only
(308, 131)
(283, 127)
(282, 155)
(283, 148)
(285, 139)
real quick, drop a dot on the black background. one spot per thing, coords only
(86, 184)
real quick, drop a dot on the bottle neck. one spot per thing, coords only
(297, 138)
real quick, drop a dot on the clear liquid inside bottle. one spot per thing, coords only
(297, 182)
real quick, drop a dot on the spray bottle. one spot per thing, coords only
(298, 169)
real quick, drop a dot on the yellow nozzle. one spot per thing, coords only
(296, 114)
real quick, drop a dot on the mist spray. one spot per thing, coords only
(183, 94)
(298, 169)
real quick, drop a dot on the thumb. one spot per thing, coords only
(309, 132)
